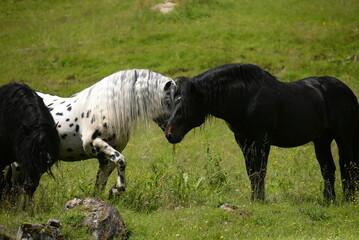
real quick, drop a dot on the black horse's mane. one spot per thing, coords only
(217, 83)
(26, 126)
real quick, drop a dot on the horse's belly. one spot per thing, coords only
(72, 150)
(295, 137)
(288, 143)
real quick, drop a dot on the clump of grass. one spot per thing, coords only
(315, 213)
(170, 187)
(215, 174)
(73, 227)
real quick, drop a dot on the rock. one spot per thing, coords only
(166, 7)
(241, 210)
(54, 223)
(29, 231)
(104, 219)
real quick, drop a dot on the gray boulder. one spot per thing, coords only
(104, 219)
(49, 231)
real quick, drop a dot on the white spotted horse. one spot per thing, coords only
(96, 122)
(29, 142)
(262, 111)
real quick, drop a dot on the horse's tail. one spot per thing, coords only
(340, 95)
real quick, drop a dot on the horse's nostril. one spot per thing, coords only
(169, 136)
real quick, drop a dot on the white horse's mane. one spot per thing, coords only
(123, 97)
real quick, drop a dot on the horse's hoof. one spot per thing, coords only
(116, 192)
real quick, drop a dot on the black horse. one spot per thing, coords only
(29, 142)
(262, 111)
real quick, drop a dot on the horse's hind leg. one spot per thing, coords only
(348, 168)
(327, 166)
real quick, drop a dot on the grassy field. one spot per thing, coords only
(61, 47)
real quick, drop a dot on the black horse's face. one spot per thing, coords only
(188, 113)
(42, 148)
(168, 104)
(50, 147)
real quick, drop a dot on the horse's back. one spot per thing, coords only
(308, 107)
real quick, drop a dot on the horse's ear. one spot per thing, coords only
(168, 85)
(180, 80)
(169, 90)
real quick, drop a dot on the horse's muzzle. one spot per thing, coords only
(170, 136)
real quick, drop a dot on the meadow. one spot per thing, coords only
(174, 192)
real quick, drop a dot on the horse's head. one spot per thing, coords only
(188, 111)
(167, 103)
(40, 149)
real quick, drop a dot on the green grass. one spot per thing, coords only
(61, 47)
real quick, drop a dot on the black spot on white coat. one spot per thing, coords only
(95, 134)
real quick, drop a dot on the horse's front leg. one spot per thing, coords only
(256, 158)
(109, 158)
(120, 185)
(104, 171)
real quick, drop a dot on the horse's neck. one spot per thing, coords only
(123, 102)
(148, 102)
(219, 103)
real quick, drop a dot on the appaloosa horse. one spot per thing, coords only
(262, 111)
(96, 122)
